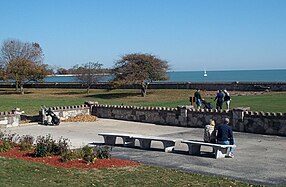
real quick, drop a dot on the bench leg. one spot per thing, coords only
(221, 152)
(128, 142)
(168, 146)
(145, 144)
(109, 140)
(194, 149)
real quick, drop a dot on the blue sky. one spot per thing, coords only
(189, 34)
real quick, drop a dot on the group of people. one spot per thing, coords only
(221, 97)
(221, 134)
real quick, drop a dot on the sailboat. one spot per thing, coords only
(205, 73)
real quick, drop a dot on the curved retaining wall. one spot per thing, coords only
(241, 120)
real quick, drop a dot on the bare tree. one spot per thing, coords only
(89, 73)
(140, 69)
(22, 62)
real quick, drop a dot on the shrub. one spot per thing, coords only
(88, 154)
(72, 155)
(61, 146)
(1, 135)
(102, 152)
(7, 141)
(6, 146)
(26, 142)
(46, 146)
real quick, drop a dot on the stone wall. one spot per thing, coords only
(64, 112)
(10, 119)
(241, 119)
(232, 86)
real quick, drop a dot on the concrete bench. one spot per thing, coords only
(110, 138)
(195, 148)
(144, 141)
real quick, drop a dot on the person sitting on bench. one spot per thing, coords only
(225, 135)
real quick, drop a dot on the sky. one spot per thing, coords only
(191, 35)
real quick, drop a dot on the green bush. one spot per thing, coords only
(26, 142)
(102, 152)
(46, 146)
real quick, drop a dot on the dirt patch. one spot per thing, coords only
(56, 160)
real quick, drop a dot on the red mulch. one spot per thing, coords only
(56, 160)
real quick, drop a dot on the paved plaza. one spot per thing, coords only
(259, 159)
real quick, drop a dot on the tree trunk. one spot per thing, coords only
(144, 89)
(88, 88)
(17, 86)
(22, 89)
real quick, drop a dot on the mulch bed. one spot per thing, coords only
(56, 160)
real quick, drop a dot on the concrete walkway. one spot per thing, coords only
(259, 159)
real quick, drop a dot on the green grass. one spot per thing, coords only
(24, 173)
(34, 98)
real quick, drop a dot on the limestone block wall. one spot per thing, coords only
(241, 120)
(158, 115)
(9, 119)
(64, 112)
(265, 123)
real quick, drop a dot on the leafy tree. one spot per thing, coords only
(141, 69)
(22, 62)
(88, 73)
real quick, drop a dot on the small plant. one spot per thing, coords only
(102, 152)
(26, 142)
(72, 155)
(6, 146)
(88, 154)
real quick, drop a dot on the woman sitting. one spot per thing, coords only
(210, 133)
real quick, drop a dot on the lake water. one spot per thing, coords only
(212, 76)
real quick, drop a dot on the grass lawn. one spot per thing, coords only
(24, 173)
(33, 99)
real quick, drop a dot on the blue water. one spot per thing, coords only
(212, 76)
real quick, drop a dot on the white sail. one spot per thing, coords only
(205, 73)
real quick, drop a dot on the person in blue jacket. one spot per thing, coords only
(225, 136)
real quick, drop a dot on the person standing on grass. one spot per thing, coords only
(225, 135)
(198, 98)
(226, 99)
(219, 99)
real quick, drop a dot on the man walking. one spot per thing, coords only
(219, 99)
(225, 135)
(198, 98)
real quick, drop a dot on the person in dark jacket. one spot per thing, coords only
(219, 99)
(225, 135)
(198, 98)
